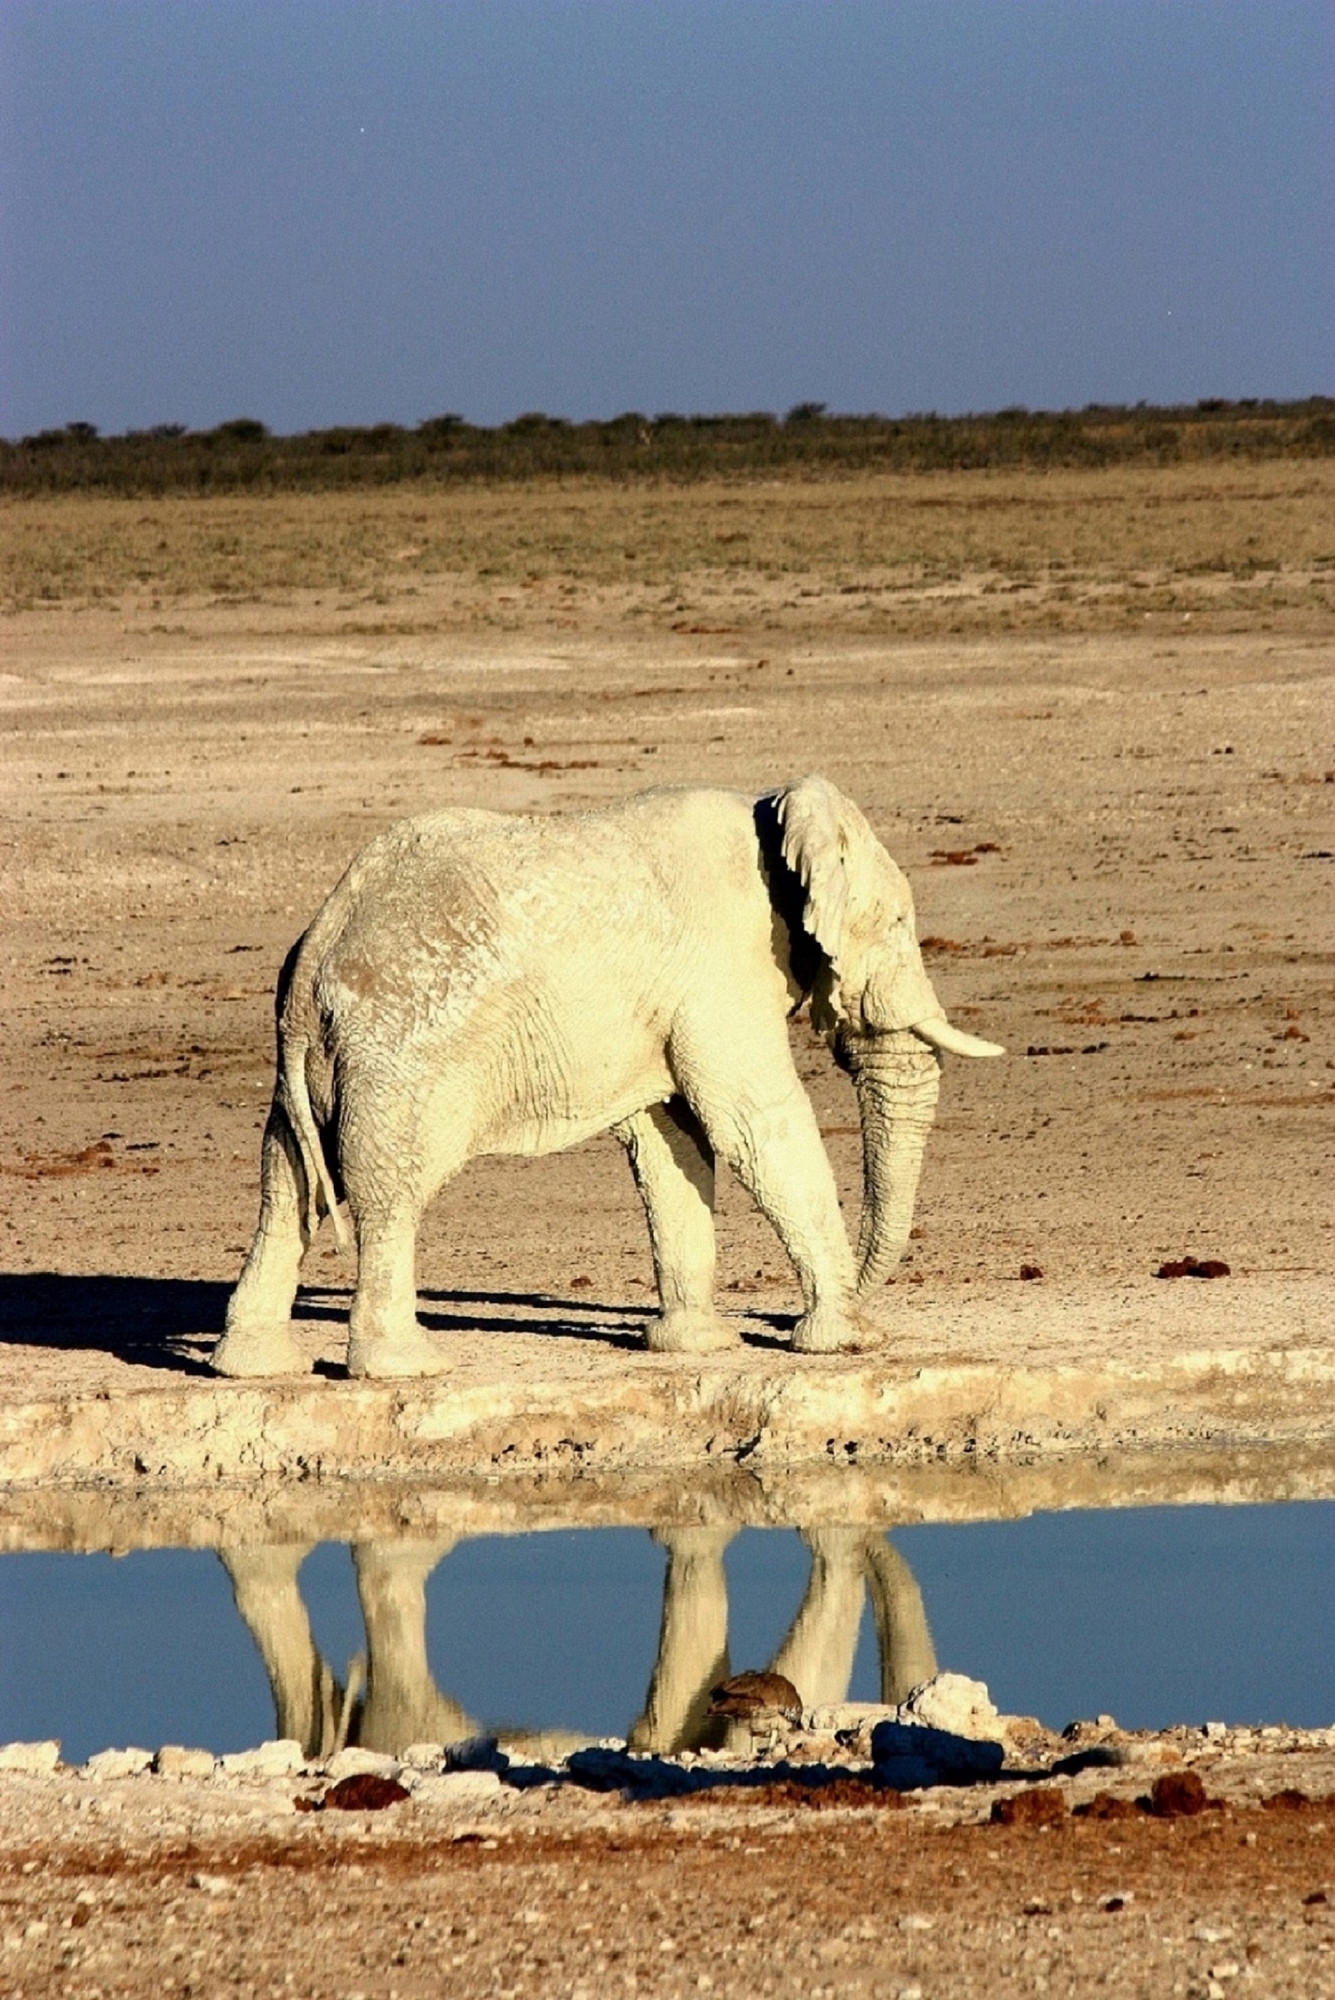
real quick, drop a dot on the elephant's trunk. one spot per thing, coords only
(897, 1077)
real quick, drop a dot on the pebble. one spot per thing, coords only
(175, 1761)
(129, 1763)
(477, 1753)
(356, 1763)
(212, 1885)
(278, 1759)
(30, 1756)
(424, 1756)
(954, 1703)
(453, 1788)
(836, 1716)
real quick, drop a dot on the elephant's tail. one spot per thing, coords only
(315, 1167)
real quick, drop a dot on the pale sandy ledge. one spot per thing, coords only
(980, 1388)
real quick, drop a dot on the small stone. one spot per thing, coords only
(476, 1753)
(364, 1791)
(357, 1763)
(31, 1757)
(914, 1922)
(174, 1761)
(954, 1703)
(1214, 1730)
(453, 1788)
(1177, 1795)
(130, 1763)
(277, 1759)
(423, 1756)
(211, 1885)
(1042, 1805)
(838, 1718)
(1107, 1805)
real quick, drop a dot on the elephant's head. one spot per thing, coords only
(853, 946)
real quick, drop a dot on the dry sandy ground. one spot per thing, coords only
(1143, 914)
(1119, 827)
(145, 1885)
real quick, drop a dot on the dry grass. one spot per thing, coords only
(929, 552)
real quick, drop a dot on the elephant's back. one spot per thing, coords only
(440, 910)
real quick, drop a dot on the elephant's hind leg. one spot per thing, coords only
(384, 1337)
(258, 1339)
(673, 1165)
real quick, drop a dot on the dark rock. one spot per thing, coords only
(476, 1753)
(1044, 1805)
(1106, 1805)
(1193, 1267)
(907, 1755)
(617, 1771)
(1177, 1795)
(364, 1792)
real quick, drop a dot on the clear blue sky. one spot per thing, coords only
(326, 211)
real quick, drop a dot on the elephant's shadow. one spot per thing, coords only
(543, 1313)
(166, 1323)
(172, 1323)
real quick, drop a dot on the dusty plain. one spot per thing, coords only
(1092, 717)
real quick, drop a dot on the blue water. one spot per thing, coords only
(1156, 1616)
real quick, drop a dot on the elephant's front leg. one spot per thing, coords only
(750, 1101)
(692, 1643)
(903, 1636)
(673, 1165)
(818, 1653)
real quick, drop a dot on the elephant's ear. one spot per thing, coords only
(827, 843)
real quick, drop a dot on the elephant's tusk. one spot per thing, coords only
(938, 1032)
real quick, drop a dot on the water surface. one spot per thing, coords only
(1155, 1615)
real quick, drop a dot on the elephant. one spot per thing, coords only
(481, 983)
(391, 1699)
(817, 1652)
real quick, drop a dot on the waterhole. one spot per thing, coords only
(404, 1629)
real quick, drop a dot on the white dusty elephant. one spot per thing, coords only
(487, 983)
(818, 1651)
(391, 1698)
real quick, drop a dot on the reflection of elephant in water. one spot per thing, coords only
(403, 1705)
(817, 1653)
(488, 984)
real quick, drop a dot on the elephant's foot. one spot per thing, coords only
(825, 1330)
(689, 1330)
(387, 1359)
(251, 1347)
